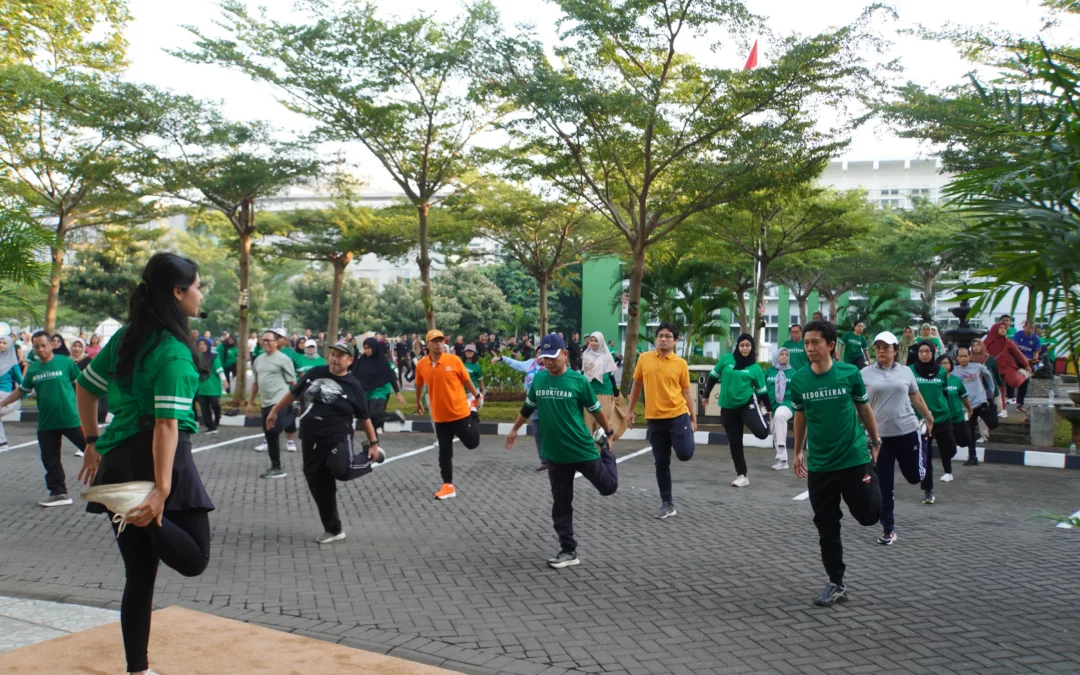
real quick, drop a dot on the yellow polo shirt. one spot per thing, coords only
(664, 379)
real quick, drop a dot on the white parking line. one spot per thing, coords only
(410, 453)
(16, 447)
(620, 460)
(229, 442)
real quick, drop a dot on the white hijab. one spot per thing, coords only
(7, 357)
(597, 362)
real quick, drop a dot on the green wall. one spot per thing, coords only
(597, 313)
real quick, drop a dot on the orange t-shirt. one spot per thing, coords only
(446, 387)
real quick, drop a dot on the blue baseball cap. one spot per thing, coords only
(551, 347)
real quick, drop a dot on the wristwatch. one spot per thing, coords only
(90, 440)
(875, 443)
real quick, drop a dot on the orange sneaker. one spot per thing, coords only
(446, 492)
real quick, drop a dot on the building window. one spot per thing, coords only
(771, 335)
(890, 192)
(794, 320)
(889, 203)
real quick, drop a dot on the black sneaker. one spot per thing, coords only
(564, 559)
(601, 440)
(928, 497)
(887, 538)
(273, 473)
(974, 461)
(832, 594)
(666, 510)
(400, 416)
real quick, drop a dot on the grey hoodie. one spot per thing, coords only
(971, 374)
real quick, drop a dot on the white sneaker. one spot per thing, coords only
(780, 465)
(55, 500)
(291, 446)
(326, 537)
(119, 498)
(947, 478)
(1003, 413)
(741, 481)
(79, 453)
(982, 440)
(261, 447)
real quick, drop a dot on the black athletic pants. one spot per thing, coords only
(858, 487)
(50, 443)
(603, 473)
(734, 420)
(230, 375)
(377, 411)
(943, 434)
(467, 429)
(989, 414)
(210, 407)
(286, 420)
(1021, 393)
(183, 543)
(320, 481)
(665, 435)
(907, 452)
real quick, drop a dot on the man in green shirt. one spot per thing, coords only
(52, 379)
(309, 359)
(559, 394)
(796, 351)
(853, 346)
(829, 400)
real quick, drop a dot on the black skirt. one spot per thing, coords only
(133, 460)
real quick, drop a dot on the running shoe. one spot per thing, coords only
(261, 447)
(780, 465)
(291, 446)
(400, 416)
(1010, 401)
(741, 481)
(928, 497)
(832, 594)
(973, 461)
(381, 457)
(982, 440)
(447, 491)
(326, 537)
(119, 498)
(1021, 409)
(56, 500)
(3, 447)
(947, 478)
(1003, 413)
(79, 453)
(563, 559)
(666, 510)
(273, 473)
(887, 538)
(601, 440)
(212, 432)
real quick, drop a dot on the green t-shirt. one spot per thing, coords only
(737, 387)
(382, 392)
(797, 353)
(559, 400)
(476, 374)
(211, 386)
(306, 363)
(957, 392)
(854, 346)
(296, 357)
(228, 355)
(55, 393)
(933, 392)
(770, 385)
(834, 436)
(603, 387)
(163, 386)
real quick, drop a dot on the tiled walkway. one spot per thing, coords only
(25, 622)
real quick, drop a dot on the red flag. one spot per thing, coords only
(751, 61)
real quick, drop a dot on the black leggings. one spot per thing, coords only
(734, 419)
(961, 433)
(467, 429)
(183, 543)
(210, 407)
(989, 414)
(943, 434)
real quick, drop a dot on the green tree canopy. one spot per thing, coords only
(98, 284)
(311, 305)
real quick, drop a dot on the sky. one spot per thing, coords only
(158, 26)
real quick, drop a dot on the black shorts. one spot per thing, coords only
(133, 460)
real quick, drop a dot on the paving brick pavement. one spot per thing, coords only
(972, 585)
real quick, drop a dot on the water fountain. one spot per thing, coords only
(962, 335)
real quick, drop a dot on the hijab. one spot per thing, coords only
(983, 356)
(781, 374)
(373, 371)
(62, 350)
(905, 343)
(7, 357)
(926, 370)
(994, 343)
(84, 355)
(741, 361)
(597, 362)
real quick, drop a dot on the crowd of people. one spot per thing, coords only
(859, 409)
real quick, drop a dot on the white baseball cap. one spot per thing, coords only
(887, 337)
(310, 343)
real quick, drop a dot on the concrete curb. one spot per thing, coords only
(1039, 458)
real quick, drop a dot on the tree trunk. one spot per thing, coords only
(246, 228)
(424, 261)
(633, 313)
(542, 282)
(834, 307)
(802, 309)
(335, 300)
(744, 320)
(928, 292)
(53, 297)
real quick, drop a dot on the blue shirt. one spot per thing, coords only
(1028, 345)
(530, 367)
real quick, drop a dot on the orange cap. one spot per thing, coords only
(434, 334)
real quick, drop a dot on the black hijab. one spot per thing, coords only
(929, 370)
(373, 371)
(741, 361)
(62, 350)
